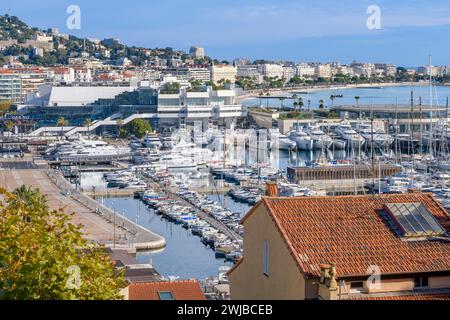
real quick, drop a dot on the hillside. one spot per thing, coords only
(65, 46)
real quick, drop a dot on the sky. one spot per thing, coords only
(296, 30)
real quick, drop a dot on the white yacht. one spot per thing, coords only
(321, 140)
(152, 141)
(347, 133)
(381, 139)
(281, 141)
(86, 150)
(303, 140)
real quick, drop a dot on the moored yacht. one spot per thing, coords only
(347, 133)
(321, 139)
(380, 138)
(303, 140)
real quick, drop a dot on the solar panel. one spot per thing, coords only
(414, 220)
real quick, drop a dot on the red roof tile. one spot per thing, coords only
(181, 290)
(350, 231)
(440, 296)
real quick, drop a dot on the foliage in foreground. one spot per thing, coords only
(44, 256)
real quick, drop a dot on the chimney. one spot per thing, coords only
(271, 189)
(327, 284)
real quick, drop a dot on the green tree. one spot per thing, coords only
(140, 127)
(9, 125)
(5, 106)
(41, 252)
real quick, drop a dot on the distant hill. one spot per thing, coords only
(14, 29)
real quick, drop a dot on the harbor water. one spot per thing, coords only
(374, 95)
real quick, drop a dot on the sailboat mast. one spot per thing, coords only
(430, 146)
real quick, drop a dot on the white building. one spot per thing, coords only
(304, 70)
(248, 71)
(197, 106)
(322, 71)
(223, 72)
(197, 52)
(199, 74)
(272, 70)
(288, 73)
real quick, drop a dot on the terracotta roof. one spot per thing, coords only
(437, 296)
(351, 231)
(181, 290)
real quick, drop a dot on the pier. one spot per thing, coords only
(202, 215)
(99, 223)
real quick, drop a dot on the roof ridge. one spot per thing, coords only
(168, 281)
(383, 195)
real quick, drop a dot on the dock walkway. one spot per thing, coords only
(219, 225)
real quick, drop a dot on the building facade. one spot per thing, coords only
(329, 247)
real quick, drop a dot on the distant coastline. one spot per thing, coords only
(285, 91)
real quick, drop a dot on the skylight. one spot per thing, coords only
(165, 295)
(414, 220)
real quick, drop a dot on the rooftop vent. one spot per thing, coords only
(414, 220)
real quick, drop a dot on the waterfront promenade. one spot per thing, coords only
(99, 223)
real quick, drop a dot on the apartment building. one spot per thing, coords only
(199, 74)
(248, 71)
(305, 71)
(288, 72)
(344, 248)
(223, 72)
(363, 69)
(271, 70)
(197, 52)
(322, 71)
(15, 84)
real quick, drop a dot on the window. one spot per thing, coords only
(421, 282)
(266, 258)
(356, 287)
(165, 295)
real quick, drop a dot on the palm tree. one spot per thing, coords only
(295, 105)
(261, 94)
(309, 105)
(88, 123)
(321, 104)
(119, 122)
(300, 103)
(30, 197)
(62, 123)
(332, 97)
(267, 100)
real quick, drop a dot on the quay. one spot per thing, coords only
(99, 223)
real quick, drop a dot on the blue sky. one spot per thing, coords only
(313, 30)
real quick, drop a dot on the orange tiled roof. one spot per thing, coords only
(349, 230)
(436, 296)
(181, 290)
